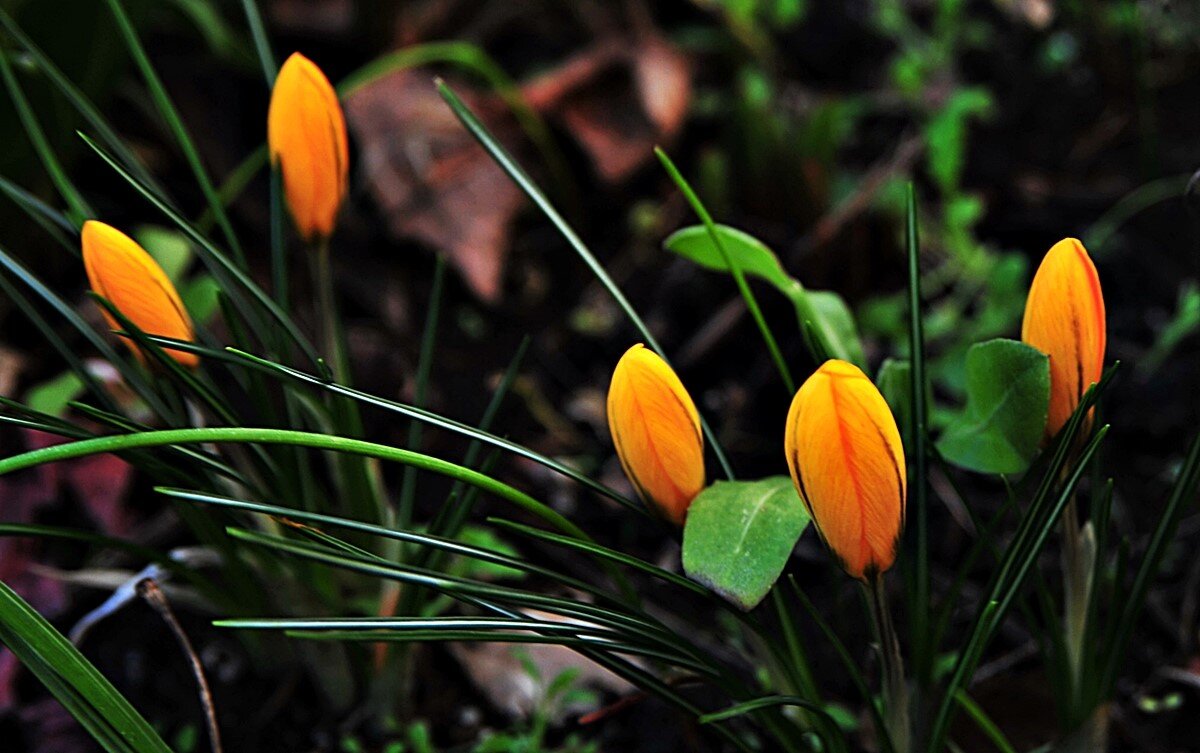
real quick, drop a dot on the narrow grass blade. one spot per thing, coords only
(1019, 558)
(80, 102)
(77, 684)
(848, 663)
(439, 421)
(922, 652)
(425, 540)
(232, 278)
(129, 371)
(738, 276)
(535, 194)
(632, 625)
(597, 550)
(408, 483)
(54, 222)
(1184, 491)
(238, 434)
(79, 209)
(170, 115)
(262, 46)
(984, 723)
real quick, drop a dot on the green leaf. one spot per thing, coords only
(827, 311)
(753, 256)
(839, 320)
(739, 535)
(170, 248)
(201, 297)
(51, 397)
(1008, 397)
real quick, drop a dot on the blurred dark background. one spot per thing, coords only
(801, 121)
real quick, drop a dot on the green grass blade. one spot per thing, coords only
(67, 353)
(60, 665)
(450, 518)
(848, 663)
(408, 483)
(54, 222)
(78, 207)
(80, 102)
(170, 115)
(471, 58)
(130, 372)
(738, 276)
(984, 723)
(631, 624)
(425, 540)
(1184, 492)
(1019, 558)
(262, 46)
(439, 421)
(238, 434)
(597, 550)
(231, 277)
(922, 652)
(535, 194)
(235, 183)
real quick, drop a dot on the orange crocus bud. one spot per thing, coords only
(120, 271)
(846, 459)
(656, 430)
(1064, 318)
(306, 133)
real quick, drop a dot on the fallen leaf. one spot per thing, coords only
(619, 99)
(430, 178)
(497, 670)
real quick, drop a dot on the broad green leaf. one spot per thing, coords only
(201, 298)
(1008, 396)
(832, 308)
(51, 397)
(828, 313)
(739, 535)
(752, 255)
(485, 538)
(171, 249)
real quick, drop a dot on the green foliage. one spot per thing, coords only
(945, 135)
(825, 310)
(72, 679)
(739, 535)
(1008, 399)
(51, 397)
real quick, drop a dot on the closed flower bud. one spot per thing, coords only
(656, 430)
(1064, 318)
(306, 133)
(120, 271)
(846, 459)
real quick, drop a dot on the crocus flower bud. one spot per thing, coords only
(120, 271)
(306, 133)
(656, 430)
(847, 461)
(1064, 318)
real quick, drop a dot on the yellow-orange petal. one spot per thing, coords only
(121, 271)
(1064, 318)
(656, 431)
(847, 461)
(306, 133)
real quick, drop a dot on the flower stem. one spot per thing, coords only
(895, 688)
